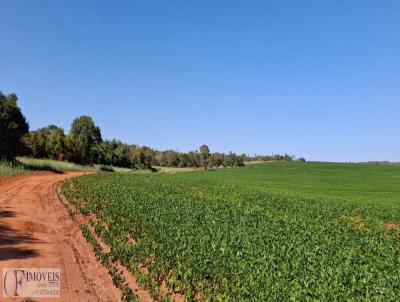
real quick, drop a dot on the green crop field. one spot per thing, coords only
(268, 232)
(368, 183)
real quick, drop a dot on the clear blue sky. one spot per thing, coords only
(319, 79)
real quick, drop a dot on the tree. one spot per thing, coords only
(35, 142)
(205, 154)
(55, 145)
(13, 126)
(183, 160)
(170, 159)
(121, 155)
(217, 159)
(112, 152)
(232, 160)
(86, 134)
(244, 158)
(146, 156)
(47, 142)
(288, 157)
(194, 159)
(228, 160)
(142, 157)
(70, 148)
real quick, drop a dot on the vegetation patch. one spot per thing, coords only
(249, 240)
(127, 294)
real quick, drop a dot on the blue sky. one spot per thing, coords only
(319, 79)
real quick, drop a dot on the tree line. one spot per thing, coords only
(84, 144)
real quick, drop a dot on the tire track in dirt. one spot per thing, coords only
(37, 231)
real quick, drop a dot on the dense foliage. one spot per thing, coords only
(12, 126)
(230, 236)
(46, 142)
(85, 135)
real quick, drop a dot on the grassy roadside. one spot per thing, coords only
(7, 169)
(28, 165)
(52, 165)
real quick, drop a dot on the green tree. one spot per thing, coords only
(56, 143)
(217, 159)
(141, 157)
(13, 126)
(112, 152)
(47, 142)
(233, 160)
(71, 153)
(86, 134)
(170, 159)
(183, 160)
(36, 143)
(194, 159)
(205, 154)
(146, 157)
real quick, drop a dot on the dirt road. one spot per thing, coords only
(36, 231)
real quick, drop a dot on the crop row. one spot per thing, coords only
(127, 294)
(218, 242)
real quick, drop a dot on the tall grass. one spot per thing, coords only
(53, 165)
(28, 164)
(11, 168)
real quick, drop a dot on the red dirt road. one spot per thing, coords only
(36, 231)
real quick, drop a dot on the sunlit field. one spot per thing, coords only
(273, 231)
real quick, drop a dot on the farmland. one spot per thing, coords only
(377, 184)
(276, 231)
